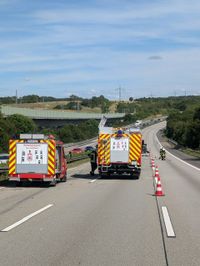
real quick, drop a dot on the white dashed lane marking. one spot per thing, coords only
(94, 180)
(167, 221)
(26, 218)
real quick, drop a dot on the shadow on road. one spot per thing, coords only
(85, 176)
(105, 177)
(12, 184)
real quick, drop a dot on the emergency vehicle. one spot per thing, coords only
(119, 151)
(36, 157)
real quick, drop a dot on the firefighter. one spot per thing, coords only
(93, 160)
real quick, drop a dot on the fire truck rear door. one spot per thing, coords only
(119, 150)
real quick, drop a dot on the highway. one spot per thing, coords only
(110, 221)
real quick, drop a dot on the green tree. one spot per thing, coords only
(30, 99)
(129, 118)
(6, 133)
(196, 114)
(131, 99)
(65, 134)
(21, 124)
(193, 135)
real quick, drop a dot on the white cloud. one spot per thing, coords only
(116, 15)
(93, 50)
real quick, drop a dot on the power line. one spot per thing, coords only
(16, 97)
(120, 93)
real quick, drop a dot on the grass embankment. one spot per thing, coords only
(77, 163)
(195, 153)
(3, 176)
(165, 141)
(77, 159)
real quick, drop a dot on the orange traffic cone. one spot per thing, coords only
(159, 191)
(153, 164)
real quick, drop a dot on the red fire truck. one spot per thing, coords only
(36, 157)
(119, 151)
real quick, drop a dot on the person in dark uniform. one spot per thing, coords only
(93, 160)
(162, 153)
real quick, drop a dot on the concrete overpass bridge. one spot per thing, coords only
(55, 118)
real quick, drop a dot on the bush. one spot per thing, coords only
(82, 131)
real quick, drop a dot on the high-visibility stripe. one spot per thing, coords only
(12, 144)
(12, 163)
(51, 156)
(51, 165)
(134, 153)
(51, 145)
(135, 147)
(12, 156)
(104, 149)
(11, 170)
(137, 137)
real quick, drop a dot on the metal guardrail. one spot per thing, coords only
(80, 143)
(173, 142)
(84, 156)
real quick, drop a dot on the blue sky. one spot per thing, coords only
(89, 48)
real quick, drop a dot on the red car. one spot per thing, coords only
(76, 150)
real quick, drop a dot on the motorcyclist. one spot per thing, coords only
(162, 153)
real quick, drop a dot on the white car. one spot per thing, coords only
(4, 157)
(138, 123)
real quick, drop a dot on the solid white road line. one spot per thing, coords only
(26, 218)
(168, 224)
(196, 168)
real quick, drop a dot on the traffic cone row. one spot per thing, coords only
(152, 164)
(156, 175)
(158, 189)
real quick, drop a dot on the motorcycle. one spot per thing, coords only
(162, 156)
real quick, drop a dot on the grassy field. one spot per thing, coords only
(52, 105)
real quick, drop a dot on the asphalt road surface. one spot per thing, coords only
(113, 221)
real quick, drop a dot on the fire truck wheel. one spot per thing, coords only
(16, 183)
(135, 175)
(101, 174)
(64, 179)
(53, 182)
